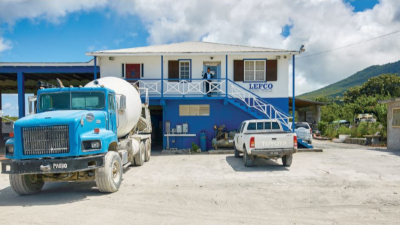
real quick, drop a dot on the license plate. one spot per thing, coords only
(60, 165)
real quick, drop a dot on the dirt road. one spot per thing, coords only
(337, 186)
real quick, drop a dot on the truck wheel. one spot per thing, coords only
(109, 177)
(287, 160)
(237, 154)
(248, 161)
(26, 184)
(148, 150)
(141, 155)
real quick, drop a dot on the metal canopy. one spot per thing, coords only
(9, 83)
(300, 103)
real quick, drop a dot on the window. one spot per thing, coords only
(251, 126)
(87, 100)
(254, 70)
(184, 69)
(111, 102)
(275, 126)
(240, 127)
(71, 100)
(241, 130)
(396, 117)
(194, 110)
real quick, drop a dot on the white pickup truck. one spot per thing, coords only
(264, 138)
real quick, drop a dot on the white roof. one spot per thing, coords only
(192, 47)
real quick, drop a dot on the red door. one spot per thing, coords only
(132, 71)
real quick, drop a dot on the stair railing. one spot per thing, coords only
(256, 102)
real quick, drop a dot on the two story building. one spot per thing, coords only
(248, 82)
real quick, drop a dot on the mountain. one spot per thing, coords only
(338, 88)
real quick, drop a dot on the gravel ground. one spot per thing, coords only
(337, 186)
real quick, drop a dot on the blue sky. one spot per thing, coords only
(66, 37)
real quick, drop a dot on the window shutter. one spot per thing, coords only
(238, 70)
(272, 70)
(173, 70)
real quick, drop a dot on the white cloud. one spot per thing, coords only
(7, 106)
(318, 24)
(5, 44)
(52, 11)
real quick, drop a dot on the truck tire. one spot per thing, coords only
(141, 155)
(248, 160)
(26, 184)
(148, 150)
(287, 160)
(109, 177)
(237, 154)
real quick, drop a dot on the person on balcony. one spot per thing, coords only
(208, 76)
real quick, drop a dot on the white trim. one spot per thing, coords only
(184, 61)
(254, 70)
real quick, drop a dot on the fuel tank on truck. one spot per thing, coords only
(130, 116)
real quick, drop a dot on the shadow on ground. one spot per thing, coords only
(259, 164)
(52, 194)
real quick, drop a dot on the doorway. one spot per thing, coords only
(156, 112)
(215, 70)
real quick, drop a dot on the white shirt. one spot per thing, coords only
(208, 76)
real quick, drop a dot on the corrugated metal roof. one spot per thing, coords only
(41, 64)
(192, 47)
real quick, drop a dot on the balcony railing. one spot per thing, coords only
(181, 88)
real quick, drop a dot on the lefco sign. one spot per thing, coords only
(265, 87)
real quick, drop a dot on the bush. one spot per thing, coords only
(195, 148)
(322, 127)
(362, 129)
(344, 130)
(331, 131)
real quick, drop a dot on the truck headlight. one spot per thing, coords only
(95, 144)
(9, 149)
(91, 145)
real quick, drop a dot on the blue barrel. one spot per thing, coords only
(203, 141)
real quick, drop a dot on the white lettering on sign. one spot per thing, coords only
(274, 143)
(60, 166)
(267, 87)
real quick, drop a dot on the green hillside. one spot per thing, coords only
(338, 88)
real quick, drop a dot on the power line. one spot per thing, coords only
(331, 50)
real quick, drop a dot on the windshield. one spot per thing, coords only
(303, 125)
(71, 100)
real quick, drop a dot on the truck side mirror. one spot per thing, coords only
(32, 100)
(1, 113)
(122, 102)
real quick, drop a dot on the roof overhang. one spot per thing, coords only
(389, 101)
(300, 103)
(187, 53)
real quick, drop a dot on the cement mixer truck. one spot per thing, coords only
(88, 133)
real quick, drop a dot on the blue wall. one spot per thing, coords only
(220, 114)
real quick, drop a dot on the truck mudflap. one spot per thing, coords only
(43, 166)
(273, 152)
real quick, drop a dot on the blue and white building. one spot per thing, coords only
(249, 82)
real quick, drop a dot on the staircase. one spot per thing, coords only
(258, 107)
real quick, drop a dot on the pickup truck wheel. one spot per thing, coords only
(141, 155)
(26, 184)
(237, 154)
(287, 160)
(248, 161)
(148, 150)
(109, 177)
